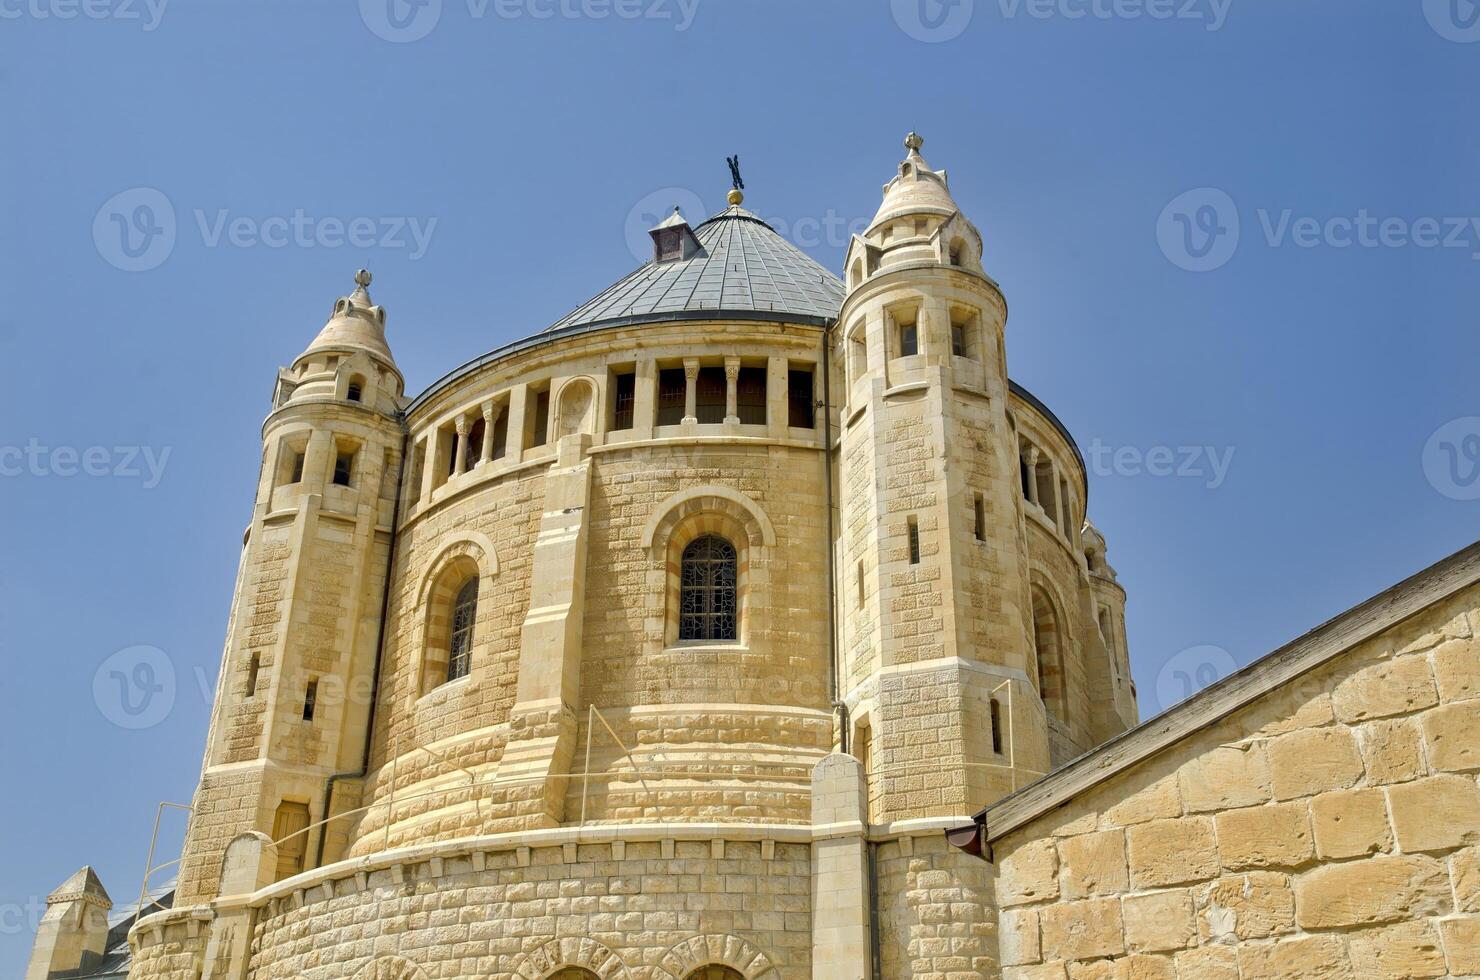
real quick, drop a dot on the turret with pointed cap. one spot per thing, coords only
(355, 324)
(74, 932)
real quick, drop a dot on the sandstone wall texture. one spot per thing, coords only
(1329, 829)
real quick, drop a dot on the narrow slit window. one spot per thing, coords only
(539, 432)
(672, 395)
(750, 396)
(501, 433)
(344, 465)
(311, 700)
(914, 534)
(909, 340)
(254, 670)
(979, 514)
(996, 726)
(710, 395)
(862, 591)
(800, 399)
(297, 468)
(473, 452)
(624, 401)
(958, 339)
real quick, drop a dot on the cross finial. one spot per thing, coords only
(362, 278)
(913, 141)
(735, 180)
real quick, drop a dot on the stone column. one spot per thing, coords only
(1032, 458)
(732, 379)
(691, 391)
(645, 399)
(840, 887)
(460, 447)
(485, 452)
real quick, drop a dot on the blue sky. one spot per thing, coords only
(1329, 337)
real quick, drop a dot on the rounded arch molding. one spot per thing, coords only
(716, 950)
(707, 500)
(390, 968)
(558, 954)
(455, 547)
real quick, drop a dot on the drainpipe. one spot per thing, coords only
(840, 710)
(874, 941)
(385, 608)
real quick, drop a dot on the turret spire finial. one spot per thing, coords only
(362, 278)
(913, 141)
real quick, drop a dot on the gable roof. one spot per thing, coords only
(1322, 644)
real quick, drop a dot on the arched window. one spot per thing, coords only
(573, 973)
(716, 972)
(1048, 645)
(356, 389)
(707, 590)
(464, 611)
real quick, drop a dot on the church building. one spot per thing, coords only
(748, 623)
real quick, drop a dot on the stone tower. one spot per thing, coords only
(298, 672)
(74, 931)
(938, 672)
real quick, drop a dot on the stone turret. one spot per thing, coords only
(936, 635)
(298, 670)
(74, 931)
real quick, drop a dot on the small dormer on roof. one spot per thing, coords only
(673, 239)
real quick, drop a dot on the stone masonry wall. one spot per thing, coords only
(936, 912)
(1328, 830)
(652, 909)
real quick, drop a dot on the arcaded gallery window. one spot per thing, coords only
(672, 395)
(708, 586)
(464, 611)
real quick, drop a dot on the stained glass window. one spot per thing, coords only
(464, 610)
(707, 590)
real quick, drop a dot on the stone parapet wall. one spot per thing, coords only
(1328, 829)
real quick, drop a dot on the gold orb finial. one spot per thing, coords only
(913, 142)
(735, 197)
(362, 278)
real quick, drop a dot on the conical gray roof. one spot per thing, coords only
(743, 267)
